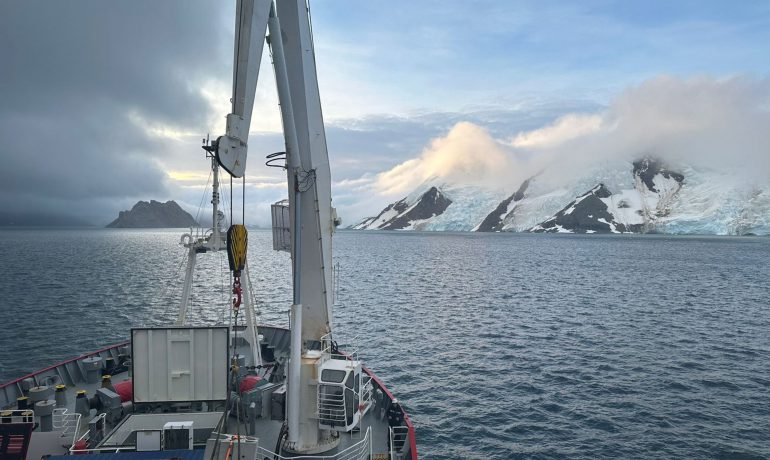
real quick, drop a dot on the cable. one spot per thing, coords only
(203, 197)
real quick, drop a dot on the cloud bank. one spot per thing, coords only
(700, 122)
(467, 154)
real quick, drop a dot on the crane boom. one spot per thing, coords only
(314, 174)
(250, 27)
(309, 186)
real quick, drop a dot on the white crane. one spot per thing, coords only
(311, 428)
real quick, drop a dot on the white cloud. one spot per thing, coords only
(467, 154)
(564, 129)
(708, 122)
(703, 122)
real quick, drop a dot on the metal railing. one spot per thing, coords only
(399, 439)
(85, 437)
(67, 422)
(362, 450)
(331, 405)
(367, 391)
(17, 416)
(328, 350)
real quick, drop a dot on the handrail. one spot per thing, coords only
(67, 422)
(350, 355)
(359, 451)
(74, 451)
(18, 415)
(398, 439)
(407, 421)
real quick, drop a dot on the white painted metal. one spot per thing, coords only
(309, 188)
(252, 334)
(174, 428)
(294, 382)
(213, 242)
(362, 450)
(66, 422)
(156, 421)
(397, 439)
(250, 28)
(314, 205)
(187, 286)
(293, 396)
(309, 184)
(331, 408)
(284, 94)
(180, 364)
(148, 440)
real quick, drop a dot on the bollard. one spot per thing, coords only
(44, 409)
(60, 395)
(82, 406)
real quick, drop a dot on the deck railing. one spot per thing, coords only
(17, 416)
(329, 351)
(398, 442)
(66, 422)
(331, 405)
(362, 450)
(76, 449)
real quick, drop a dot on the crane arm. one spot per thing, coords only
(250, 28)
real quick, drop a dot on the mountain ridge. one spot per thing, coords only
(646, 195)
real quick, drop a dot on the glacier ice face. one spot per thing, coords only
(644, 196)
(718, 203)
(469, 207)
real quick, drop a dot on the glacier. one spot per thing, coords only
(642, 196)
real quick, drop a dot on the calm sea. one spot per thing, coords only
(500, 345)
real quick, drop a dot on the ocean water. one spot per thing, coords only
(499, 345)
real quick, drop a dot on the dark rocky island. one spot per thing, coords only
(154, 215)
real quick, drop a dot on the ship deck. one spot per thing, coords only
(375, 437)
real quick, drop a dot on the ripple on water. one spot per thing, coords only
(535, 346)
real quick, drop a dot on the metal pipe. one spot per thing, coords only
(295, 363)
(215, 237)
(252, 331)
(295, 166)
(284, 96)
(188, 278)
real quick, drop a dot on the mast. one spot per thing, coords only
(309, 186)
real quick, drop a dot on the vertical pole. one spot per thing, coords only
(188, 277)
(215, 235)
(295, 166)
(251, 325)
(293, 404)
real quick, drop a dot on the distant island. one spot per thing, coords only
(154, 215)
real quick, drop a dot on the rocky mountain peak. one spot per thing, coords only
(154, 214)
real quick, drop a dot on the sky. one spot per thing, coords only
(103, 104)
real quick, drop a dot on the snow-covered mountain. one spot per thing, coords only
(621, 197)
(435, 207)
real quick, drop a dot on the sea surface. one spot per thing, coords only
(499, 345)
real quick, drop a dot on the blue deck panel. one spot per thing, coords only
(195, 454)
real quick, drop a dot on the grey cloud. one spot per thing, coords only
(378, 142)
(73, 72)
